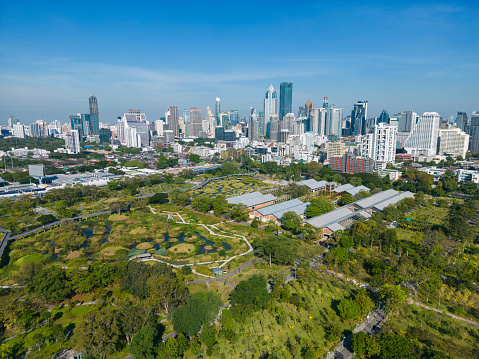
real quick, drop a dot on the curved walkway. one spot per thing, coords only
(172, 215)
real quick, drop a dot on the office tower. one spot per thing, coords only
(86, 124)
(269, 106)
(474, 132)
(18, 130)
(325, 102)
(10, 122)
(423, 138)
(384, 117)
(229, 135)
(72, 141)
(76, 123)
(380, 143)
(285, 99)
(273, 128)
(105, 135)
(261, 125)
(462, 122)
(335, 149)
(210, 118)
(217, 111)
(452, 141)
(196, 121)
(308, 107)
(317, 120)
(159, 127)
(219, 133)
(173, 120)
(334, 121)
(287, 123)
(405, 120)
(359, 116)
(94, 117)
(233, 118)
(133, 129)
(253, 126)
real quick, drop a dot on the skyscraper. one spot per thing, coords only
(94, 118)
(269, 106)
(359, 116)
(196, 121)
(423, 138)
(384, 117)
(462, 121)
(334, 120)
(218, 111)
(173, 120)
(474, 132)
(325, 102)
(380, 144)
(285, 99)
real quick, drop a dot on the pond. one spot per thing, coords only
(181, 239)
(89, 232)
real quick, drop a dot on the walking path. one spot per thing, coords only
(181, 220)
(427, 307)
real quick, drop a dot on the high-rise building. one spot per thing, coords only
(423, 138)
(269, 106)
(334, 121)
(405, 120)
(350, 164)
(72, 141)
(173, 120)
(325, 102)
(94, 117)
(308, 107)
(380, 143)
(462, 122)
(217, 111)
(335, 149)
(18, 130)
(452, 141)
(359, 116)
(105, 135)
(474, 132)
(253, 126)
(159, 127)
(384, 117)
(317, 120)
(273, 128)
(133, 129)
(285, 99)
(287, 123)
(196, 121)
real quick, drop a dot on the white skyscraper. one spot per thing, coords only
(159, 127)
(317, 118)
(423, 137)
(72, 141)
(380, 143)
(334, 121)
(18, 130)
(269, 106)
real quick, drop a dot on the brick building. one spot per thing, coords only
(350, 164)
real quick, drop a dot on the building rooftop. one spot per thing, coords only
(393, 200)
(279, 209)
(354, 191)
(312, 183)
(379, 197)
(343, 188)
(251, 199)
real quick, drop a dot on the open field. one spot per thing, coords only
(232, 187)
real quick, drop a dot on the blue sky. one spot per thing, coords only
(405, 55)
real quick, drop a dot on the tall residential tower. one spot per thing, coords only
(285, 99)
(94, 120)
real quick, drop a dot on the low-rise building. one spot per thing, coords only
(253, 200)
(467, 176)
(276, 211)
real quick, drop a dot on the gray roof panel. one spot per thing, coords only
(251, 199)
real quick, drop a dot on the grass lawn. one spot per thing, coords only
(431, 214)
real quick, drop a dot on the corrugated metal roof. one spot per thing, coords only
(343, 188)
(375, 199)
(279, 209)
(354, 191)
(329, 218)
(312, 183)
(393, 200)
(251, 199)
(336, 227)
(279, 206)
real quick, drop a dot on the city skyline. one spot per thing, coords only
(406, 56)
